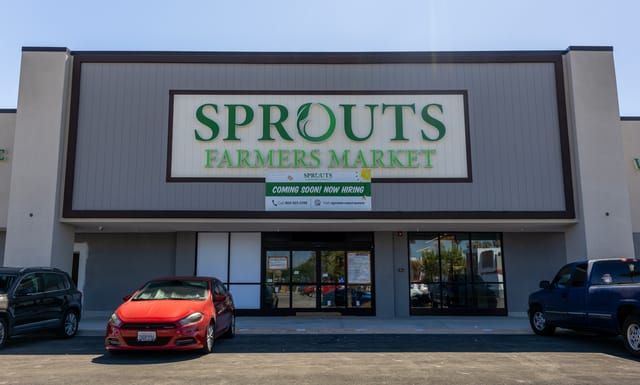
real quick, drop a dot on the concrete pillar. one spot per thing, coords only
(35, 235)
(602, 198)
(384, 279)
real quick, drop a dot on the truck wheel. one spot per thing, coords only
(631, 334)
(4, 332)
(539, 324)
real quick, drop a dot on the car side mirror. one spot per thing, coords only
(545, 285)
(219, 298)
(126, 297)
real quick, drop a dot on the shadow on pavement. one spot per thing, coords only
(562, 342)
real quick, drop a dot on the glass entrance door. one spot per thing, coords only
(318, 279)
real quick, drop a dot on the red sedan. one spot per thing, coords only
(177, 313)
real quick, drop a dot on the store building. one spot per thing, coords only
(382, 184)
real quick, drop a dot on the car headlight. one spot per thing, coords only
(191, 318)
(115, 320)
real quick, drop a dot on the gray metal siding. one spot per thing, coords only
(3, 236)
(513, 118)
(117, 264)
(528, 259)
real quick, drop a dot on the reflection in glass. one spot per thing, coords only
(332, 266)
(303, 296)
(270, 299)
(456, 272)
(304, 266)
(283, 294)
(277, 269)
(359, 296)
(333, 296)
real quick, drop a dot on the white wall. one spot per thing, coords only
(631, 146)
(7, 129)
(600, 179)
(35, 235)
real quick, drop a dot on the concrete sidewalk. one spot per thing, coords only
(95, 325)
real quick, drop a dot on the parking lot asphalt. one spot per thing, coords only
(95, 325)
(372, 359)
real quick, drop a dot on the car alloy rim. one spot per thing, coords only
(2, 332)
(633, 336)
(210, 337)
(70, 324)
(538, 320)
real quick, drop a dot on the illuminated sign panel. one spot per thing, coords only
(244, 135)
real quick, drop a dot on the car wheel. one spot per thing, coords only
(4, 332)
(231, 332)
(210, 339)
(69, 325)
(631, 334)
(539, 324)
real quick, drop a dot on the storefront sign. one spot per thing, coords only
(278, 263)
(399, 135)
(318, 191)
(359, 265)
(3, 154)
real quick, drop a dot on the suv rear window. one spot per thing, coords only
(615, 272)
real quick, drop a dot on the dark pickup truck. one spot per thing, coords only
(601, 296)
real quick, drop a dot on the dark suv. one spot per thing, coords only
(34, 299)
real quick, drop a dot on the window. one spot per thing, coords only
(54, 281)
(456, 273)
(615, 272)
(29, 285)
(563, 277)
(579, 275)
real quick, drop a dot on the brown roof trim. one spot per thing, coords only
(316, 57)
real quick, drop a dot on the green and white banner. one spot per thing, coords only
(318, 190)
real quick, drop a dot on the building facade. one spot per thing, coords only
(378, 184)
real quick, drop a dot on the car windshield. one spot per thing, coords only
(173, 290)
(5, 282)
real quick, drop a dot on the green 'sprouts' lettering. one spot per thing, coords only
(303, 121)
(208, 122)
(248, 117)
(435, 123)
(3, 154)
(348, 124)
(277, 124)
(636, 161)
(398, 109)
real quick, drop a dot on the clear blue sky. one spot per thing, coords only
(323, 25)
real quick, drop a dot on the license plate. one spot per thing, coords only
(146, 336)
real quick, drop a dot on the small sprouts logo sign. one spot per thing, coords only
(4, 154)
